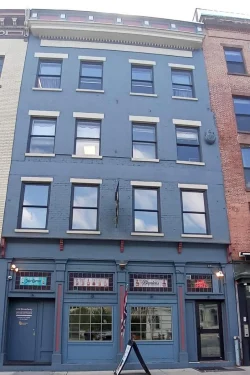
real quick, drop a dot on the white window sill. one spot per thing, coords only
(40, 155)
(83, 232)
(44, 89)
(87, 156)
(189, 162)
(148, 160)
(141, 94)
(197, 236)
(31, 230)
(147, 234)
(184, 98)
(88, 90)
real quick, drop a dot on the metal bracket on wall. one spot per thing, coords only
(229, 253)
(122, 246)
(179, 248)
(3, 247)
(61, 245)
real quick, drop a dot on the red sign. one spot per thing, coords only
(202, 284)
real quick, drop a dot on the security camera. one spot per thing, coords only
(9, 277)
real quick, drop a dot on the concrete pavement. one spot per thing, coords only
(186, 371)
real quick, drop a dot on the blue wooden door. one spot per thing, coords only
(21, 342)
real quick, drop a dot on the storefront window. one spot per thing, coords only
(151, 323)
(197, 283)
(90, 323)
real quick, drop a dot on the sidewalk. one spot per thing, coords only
(186, 371)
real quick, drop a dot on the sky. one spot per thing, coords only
(173, 9)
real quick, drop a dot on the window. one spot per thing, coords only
(34, 206)
(182, 82)
(90, 323)
(188, 147)
(33, 280)
(91, 281)
(245, 151)
(242, 113)
(144, 141)
(151, 323)
(91, 76)
(149, 282)
(87, 138)
(49, 74)
(194, 212)
(142, 79)
(84, 207)
(197, 283)
(1, 64)
(146, 211)
(42, 136)
(234, 59)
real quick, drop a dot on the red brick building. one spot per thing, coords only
(227, 58)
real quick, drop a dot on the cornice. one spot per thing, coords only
(122, 34)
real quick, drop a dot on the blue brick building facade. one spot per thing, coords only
(115, 182)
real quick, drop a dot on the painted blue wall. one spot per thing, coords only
(116, 144)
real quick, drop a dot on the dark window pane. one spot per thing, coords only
(85, 196)
(84, 219)
(142, 87)
(90, 83)
(1, 64)
(35, 195)
(193, 201)
(145, 199)
(144, 150)
(187, 136)
(194, 223)
(50, 69)
(87, 147)
(33, 217)
(43, 127)
(91, 70)
(246, 156)
(146, 221)
(88, 130)
(247, 177)
(49, 82)
(233, 55)
(144, 133)
(243, 123)
(234, 67)
(182, 77)
(142, 73)
(241, 106)
(42, 145)
(184, 91)
(188, 153)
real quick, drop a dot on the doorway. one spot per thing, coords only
(30, 331)
(209, 331)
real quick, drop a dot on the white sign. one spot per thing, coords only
(150, 283)
(91, 282)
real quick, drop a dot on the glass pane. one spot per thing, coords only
(42, 145)
(84, 219)
(194, 223)
(49, 82)
(90, 83)
(144, 133)
(35, 195)
(188, 153)
(210, 345)
(144, 150)
(243, 123)
(144, 87)
(233, 55)
(85, 196)
(88, 130)
(187, 136)
(87, 147)
(146, 199)
(241, 106)
(209, 317)
(33, 217)
(234, 67)
(245, 151)
(50, 68)
(182, 77)
(193, 201)
(183, 91)
(43, 127)
(247, 177)
(73, 336)
(146, 221)
(91, 70)
(142, 73)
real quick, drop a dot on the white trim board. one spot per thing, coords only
(142, 62)
(180, 122)
(96, 181)
(45, 55)
(181, 66)
(44, 113)
(37, 179)
(193, 186)
(96, 116)
(146, 183)
(91, 58)
(144, 119)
